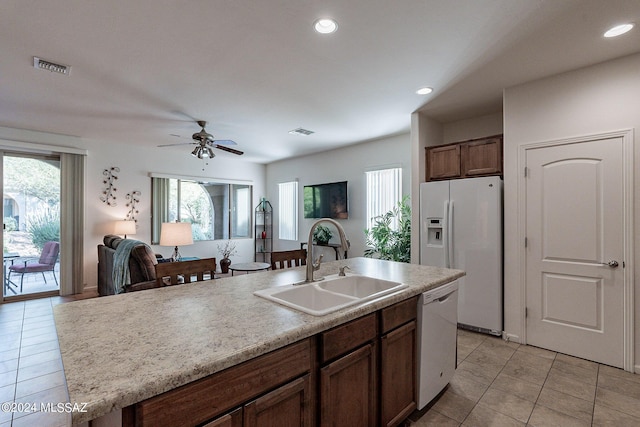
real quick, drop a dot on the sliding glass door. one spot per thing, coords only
(31, 225)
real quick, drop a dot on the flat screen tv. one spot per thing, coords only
(326, 200)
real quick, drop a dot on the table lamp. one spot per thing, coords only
(176, 234)
(125, 227)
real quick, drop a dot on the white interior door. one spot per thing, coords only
(575, 291)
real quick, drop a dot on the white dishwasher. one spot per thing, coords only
(437, 333)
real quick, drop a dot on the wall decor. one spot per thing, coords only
(133, 198)
(108, 194)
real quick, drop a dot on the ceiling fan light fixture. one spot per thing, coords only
(209, 152)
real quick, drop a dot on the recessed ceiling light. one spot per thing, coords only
(325, 26)
(618, 30)
(424, 91)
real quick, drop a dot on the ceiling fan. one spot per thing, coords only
(204, 141)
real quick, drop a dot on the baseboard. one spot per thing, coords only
(511, 337)
(636, 369)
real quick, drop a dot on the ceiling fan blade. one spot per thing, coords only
(230, 150)
(224, 142)
(179, 143)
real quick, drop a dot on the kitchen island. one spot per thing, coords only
(123, 349)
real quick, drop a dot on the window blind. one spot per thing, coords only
(384, 189)
(288, 210)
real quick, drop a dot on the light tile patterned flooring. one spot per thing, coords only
(30, 362)
(496, 384)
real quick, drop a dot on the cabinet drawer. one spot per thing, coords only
(211, 396)
(398, 314)
(347, 337)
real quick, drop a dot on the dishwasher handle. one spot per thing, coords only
(440, 293)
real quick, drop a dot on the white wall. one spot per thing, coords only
(135, 165)
(593, 100)
(475, 127)
(343, 164)
(425, 132)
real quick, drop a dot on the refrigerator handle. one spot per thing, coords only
(445, 233)
(450, 235)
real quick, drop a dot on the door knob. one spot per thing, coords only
(612, 264)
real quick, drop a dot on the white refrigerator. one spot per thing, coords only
(461, 227)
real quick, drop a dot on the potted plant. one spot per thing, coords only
(322, 235)
(388, 241)
(226, 250)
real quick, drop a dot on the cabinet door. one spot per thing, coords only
(232, 419)
(482, 157)
(286, 406)
(348, 390)
(443, 162)
(398, 374)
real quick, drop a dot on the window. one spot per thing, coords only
(288, 210)
(384, 190)
(215, 210)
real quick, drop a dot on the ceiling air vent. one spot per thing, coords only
(51, 66)
(301, 131)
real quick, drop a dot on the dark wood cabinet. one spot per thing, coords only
(232, 419)
(398, 382)
(207, 399)
(480, 158)
(348, 389)
(443, 162)
(285, 406)
(466, 159)
(398, 374)
(348, 374)
(361, 373)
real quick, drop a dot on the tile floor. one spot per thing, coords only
(507, 384)
(30, 362)
(496, 384)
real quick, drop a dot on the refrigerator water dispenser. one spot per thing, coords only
(434, 231)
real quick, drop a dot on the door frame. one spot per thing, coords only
(627, 136)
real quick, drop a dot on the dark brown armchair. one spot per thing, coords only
(288, 259)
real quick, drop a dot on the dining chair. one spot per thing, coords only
(46, 262)
(288, 259)
(178, 272)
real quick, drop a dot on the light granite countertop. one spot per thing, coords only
(122, 349)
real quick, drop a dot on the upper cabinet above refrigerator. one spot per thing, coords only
(466, 159)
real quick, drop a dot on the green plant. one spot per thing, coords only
(322, 234)
(44, 228)
(390, 236)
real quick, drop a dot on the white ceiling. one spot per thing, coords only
(255, 69)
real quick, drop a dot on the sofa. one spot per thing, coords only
(142, 266)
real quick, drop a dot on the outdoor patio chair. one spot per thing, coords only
(46, 262)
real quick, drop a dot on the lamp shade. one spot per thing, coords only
(176, 234)
(125, 227)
